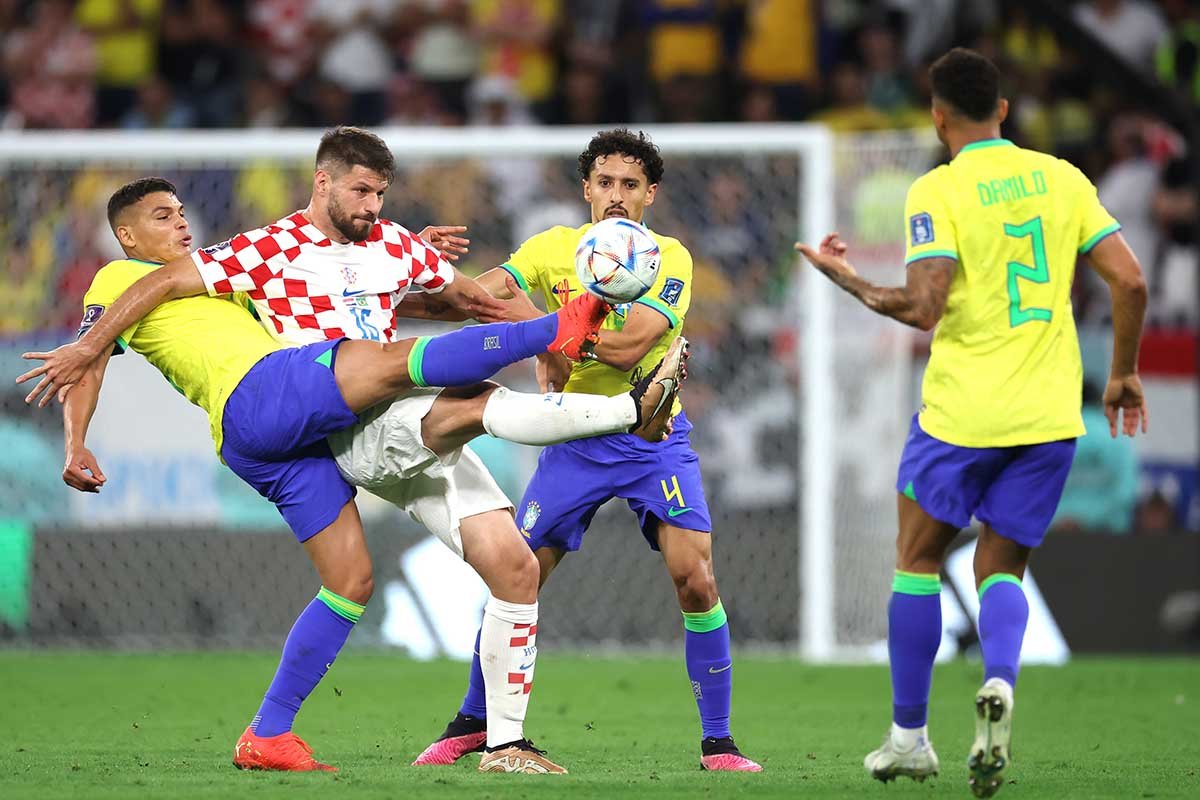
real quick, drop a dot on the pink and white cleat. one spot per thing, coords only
(722, 755)
(462, 736)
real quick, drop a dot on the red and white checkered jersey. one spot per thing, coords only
(308, 288)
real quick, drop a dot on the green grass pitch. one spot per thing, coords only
(85, 725)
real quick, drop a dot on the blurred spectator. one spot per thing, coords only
(888, 87)
(126, 36)
(496, 103)
(779, 52)
(517, 37)
(411, 102)
(444, 54)
(1156, 516)
(1177, 60)
(1101, 489)
(1173, 276)
(157, 107)
(759, 105)
(356, 57)
(683, 47)
(51, 66)
(731, 234)
(1127, 190)
(848, 108)
(933, 26)
(1130, 28)
(199, 57)
(283, 37)
(265, 104)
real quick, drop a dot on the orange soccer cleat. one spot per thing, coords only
(286, 752)
(579, 322)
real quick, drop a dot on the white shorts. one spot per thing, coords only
(385, 455)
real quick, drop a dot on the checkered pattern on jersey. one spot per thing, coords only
(308, 288)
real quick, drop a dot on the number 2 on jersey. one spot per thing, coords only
(1038, 273)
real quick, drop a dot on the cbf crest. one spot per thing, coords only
(532, 512)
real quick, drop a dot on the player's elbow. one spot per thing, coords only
(927, 319)
(1132, 284)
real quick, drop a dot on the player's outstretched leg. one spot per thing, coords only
(1003, 613)
(368, 373)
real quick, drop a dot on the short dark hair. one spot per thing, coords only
(967, 81)
(625, 142)
(345, 147)
(132, 192)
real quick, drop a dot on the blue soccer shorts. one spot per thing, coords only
(1015, 490)
(660, 482)
(275, 423)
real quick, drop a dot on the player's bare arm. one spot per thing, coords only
(63, 367)
(919, 303)
(80, 469)
(1113, 261)
(623, 349)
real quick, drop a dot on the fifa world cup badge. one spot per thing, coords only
(532, 512)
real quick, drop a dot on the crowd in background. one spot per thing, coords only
(851, 64)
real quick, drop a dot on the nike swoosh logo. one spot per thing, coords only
(675, 512)
(348, 293)
(530, 664)
(712, 671)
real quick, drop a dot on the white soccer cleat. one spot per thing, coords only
(889, 761)
(993, 731)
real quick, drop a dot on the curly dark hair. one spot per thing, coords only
(967, 81)
(345, 147)
(132, 192)
(622, 141)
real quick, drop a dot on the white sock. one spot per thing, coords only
(906, 739)
(507, 651)
(543, 419)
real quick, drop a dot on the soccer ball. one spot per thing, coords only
(617, 260)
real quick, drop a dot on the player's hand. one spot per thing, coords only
(519, 309)
(1125, 394)
(82, 472)
(444, 238)
(830, 258)
(62, 367)
(552, 371)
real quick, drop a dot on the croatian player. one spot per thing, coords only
(270, 410)
(620, 173)
(992, 242)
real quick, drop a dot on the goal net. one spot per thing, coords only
(800, 398)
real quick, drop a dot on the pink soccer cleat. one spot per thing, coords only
(462, 736)
(722, 755)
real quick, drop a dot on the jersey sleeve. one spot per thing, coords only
(243, 263)
(429, 271)
(929, 227)
(526, 265)
(109, 284)
(1095, 222)
(671, 294)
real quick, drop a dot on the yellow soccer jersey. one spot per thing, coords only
(1005, 367)
(546, 263)
(202, 345)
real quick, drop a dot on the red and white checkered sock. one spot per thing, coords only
(507, 651)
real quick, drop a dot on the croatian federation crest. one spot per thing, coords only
(532, 512)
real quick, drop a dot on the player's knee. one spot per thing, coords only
(357, 586)
(527, 576)
(393, 371)
(696, 588)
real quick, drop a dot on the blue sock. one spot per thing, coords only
(318, 635)
(914, 633)
(710, 668)
(477, 352)
(1003, 612)
(474, 704)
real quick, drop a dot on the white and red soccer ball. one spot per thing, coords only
(617, 260)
